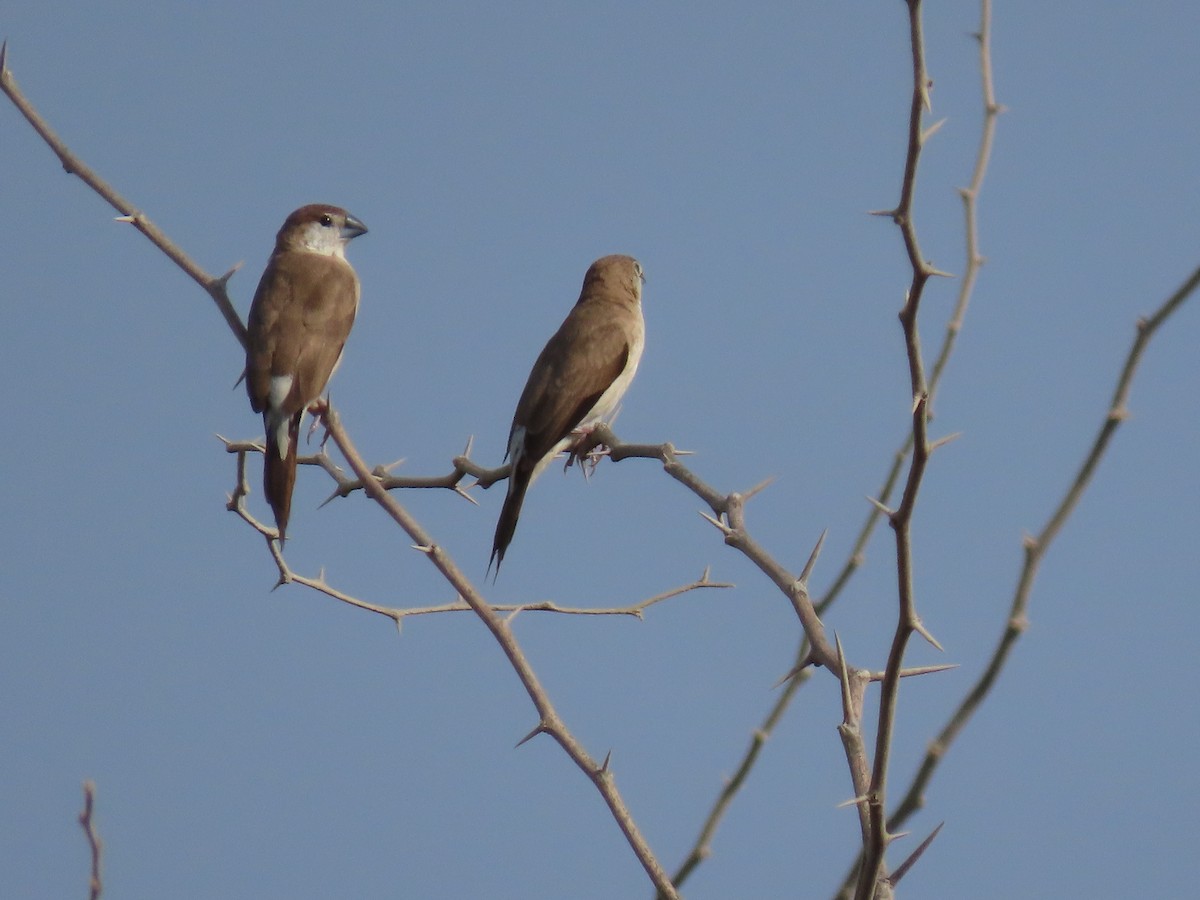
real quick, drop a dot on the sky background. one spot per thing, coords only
(252, 744)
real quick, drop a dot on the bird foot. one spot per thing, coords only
(317, 410)
(585, 451)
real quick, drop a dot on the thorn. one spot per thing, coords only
(400, 626)
(903, 868)
(607, 759)
(843, 676)
(812, 558)
(716, 523)
(938, 273)
(462, 492)
(470, 443)
(223, 280)
(919, 400)
(914, 671)
(883, 213)
(512, 615)
(423, 548)
(704, 575)
(932, 130)
(758, 487)
(942, 442)
(3, 57)
(795, 670)
(541, 728)
(853, 801)
(919, 628)
(927, 670)
(879, 506)
(387, 470)
(126, 220)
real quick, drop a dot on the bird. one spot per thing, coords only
(578, 379)
(299, 320)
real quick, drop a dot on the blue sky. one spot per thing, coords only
(256, 744)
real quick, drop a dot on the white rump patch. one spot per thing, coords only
(281, 386)
(277, 423)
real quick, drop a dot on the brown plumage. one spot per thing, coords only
(577, 380)
(299, 321)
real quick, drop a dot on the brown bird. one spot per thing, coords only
(577, 381)
(299, 321)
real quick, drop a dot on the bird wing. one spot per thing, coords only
(578, 364)
(301, 316)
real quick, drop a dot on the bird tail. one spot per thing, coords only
(279, 471)
(506, 526)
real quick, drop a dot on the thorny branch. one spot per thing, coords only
(728, 511)
(549, 721)
(1035, 550)
(857, 555)
(236, 503)
(214, 286)
(875, 836)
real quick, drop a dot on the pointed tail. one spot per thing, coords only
(506, 526)
(279, 472)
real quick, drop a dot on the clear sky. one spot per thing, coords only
(255, 744)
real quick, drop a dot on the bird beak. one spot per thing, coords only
(353, 228)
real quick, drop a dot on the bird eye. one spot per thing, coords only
(327, 220)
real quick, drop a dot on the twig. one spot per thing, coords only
(95, 884)
(1035, 547)
(857, 555)
(1035, 550)
(549, 722)
(214, 286)
(729, 516)
(236, 504)
(877, 838)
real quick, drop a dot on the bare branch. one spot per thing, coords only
(237, 504)
(1035, 550)
(877, 837)
(95, 884)
(854, 686)
(550, 722)
(214, 286)
(702, 848)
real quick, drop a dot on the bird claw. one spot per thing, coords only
(589, 459)
(317, 411)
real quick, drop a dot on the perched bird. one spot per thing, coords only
(299, 321)
(577, 381)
